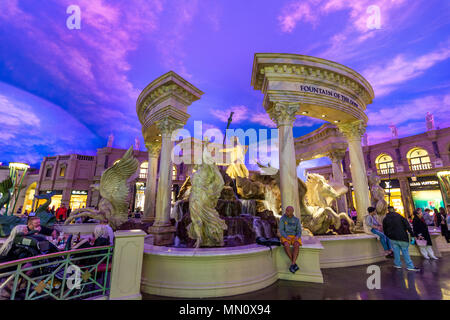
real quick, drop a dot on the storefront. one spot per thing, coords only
(140, 196)
(78, 199)
(425, 192)
(56, 199)
(392, 187)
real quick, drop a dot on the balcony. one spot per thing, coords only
(420, 166)
(143, 175)
(386, 171)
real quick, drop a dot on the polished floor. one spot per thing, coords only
(431, 283)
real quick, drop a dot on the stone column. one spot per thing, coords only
(336, 157)
(353, 131)
(153, 149)
(283, 114)
(162, 229)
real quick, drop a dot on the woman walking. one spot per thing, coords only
(420, 229)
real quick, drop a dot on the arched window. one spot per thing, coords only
(143, 170)
(418, 159)
(174, 172)
(385, 164)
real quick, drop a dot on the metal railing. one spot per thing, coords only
(386, 171)
(66, 275)
(420, 166)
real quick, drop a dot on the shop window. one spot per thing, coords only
(143, 170)
(418, 159)
(385, 164)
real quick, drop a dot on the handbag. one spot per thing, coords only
(421, 243)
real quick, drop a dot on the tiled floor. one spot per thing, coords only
(432, 282)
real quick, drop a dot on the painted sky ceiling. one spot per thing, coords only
(64, 91)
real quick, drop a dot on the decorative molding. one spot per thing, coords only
(353, 130)
(336, 155)
(153, 148)
(168, 125)
(283, 114)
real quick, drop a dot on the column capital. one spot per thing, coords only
(353, 130)
(153, 148)
(168, 124)
(283, 113)
(336, 155)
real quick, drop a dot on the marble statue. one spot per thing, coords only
(316, 196)
(113, 188)
(137, 144)
(110, 141)
(377, 195)
(394, 131)
(365, 140)
(206, 226)
(429, 119)
(237, 166)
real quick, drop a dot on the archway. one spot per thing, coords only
(418, 159)
(384, 164)
(302, 85)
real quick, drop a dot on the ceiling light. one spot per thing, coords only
(336, 121)
(304, 112)
(323, 116)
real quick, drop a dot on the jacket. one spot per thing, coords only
(290, 226)
(395, 227)
(421, 228)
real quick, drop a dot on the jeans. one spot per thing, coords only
(383, 239)
(402, 246)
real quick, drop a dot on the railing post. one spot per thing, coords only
(127, 265)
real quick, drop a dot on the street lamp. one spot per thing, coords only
(15, 168)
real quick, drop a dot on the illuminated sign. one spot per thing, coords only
(424, 183)
(80, 192)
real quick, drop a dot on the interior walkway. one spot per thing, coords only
(431, 283)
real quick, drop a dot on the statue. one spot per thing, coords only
(207, 184)
(113, 188)
(429, 119)
(394, 131)
(316, 196)
(237, 166)
(5, 190)
(110, 141)
(137, 144)
(377, 195)
(365, 140)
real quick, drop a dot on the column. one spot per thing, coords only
(353, 131)
(153, 149)
(336, 157)
(283, 114)
(162, 229)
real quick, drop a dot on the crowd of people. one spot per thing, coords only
(396, 233)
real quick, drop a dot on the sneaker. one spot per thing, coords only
(398, 267)
(292, 269)
(296, 268)
(435, 258)
(413, 269)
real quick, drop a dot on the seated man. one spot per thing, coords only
(376, 228)
(291, 231)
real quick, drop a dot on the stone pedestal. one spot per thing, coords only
(162, 235)
(127, 265)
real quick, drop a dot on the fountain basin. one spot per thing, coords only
(350, 250)
(219, 272)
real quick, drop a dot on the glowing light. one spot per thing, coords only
(18, 165)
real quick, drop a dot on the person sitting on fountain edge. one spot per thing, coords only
(291, 231)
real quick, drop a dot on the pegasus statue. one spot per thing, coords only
(207, 183)
(315, 201)
(113, 188)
